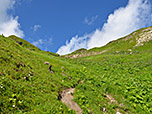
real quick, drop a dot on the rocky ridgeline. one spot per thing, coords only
(139, 37)
(145, 36)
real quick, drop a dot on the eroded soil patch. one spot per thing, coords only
(66, 98)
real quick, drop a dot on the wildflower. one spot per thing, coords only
(13, 105)
(1, 86)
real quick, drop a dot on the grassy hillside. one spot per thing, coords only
(113, 78)
(26, 83)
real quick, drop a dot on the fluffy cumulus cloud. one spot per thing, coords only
(136, 14)
(9, 25)
(74, 44)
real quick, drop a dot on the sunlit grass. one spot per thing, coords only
(27, 86)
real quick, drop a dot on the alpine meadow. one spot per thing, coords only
(112, 79)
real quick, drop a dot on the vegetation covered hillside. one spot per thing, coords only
(116, 78)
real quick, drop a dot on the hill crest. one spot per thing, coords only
(137, 38)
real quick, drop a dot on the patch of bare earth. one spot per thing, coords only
(66, 98)
(85, 54)
(112, 100)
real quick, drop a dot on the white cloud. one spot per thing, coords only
(36, 27)
(122, 22)
(90, 21)
(74, 44)
(137, 14)
(43, 44)
(9, 25)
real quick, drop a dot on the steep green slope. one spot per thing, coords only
(26, 83)
(124, 70)
(126, 77)
(110, 79)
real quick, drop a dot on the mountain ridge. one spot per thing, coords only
(139, 40)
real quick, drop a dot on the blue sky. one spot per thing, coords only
(64, 26)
